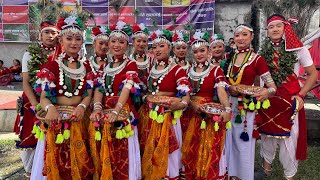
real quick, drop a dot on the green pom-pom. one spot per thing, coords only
(216, 126)
(97, 136)
(66, 134)
(101, 89)
(251, 106)
(127, 128)
(215, 98)
(238, 119)
(86, 93)
(160, 118)
(258, 105)
(54, 100)
(41, 137)
(48, 94)
(38, 106)
(59, 139)
(245, 100)
(203, 124)
(228, 125)
(174, 121)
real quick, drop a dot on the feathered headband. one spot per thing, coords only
(162, 36)
(140, 30)
(216, 38)
(100, 32)
(121, 30)
(180, 38)
(199, 39)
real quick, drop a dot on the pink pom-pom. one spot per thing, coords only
(66, 125)
(150, 105)
(96, 124)
(38, 89)
(216, 118)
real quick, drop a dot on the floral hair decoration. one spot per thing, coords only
(216, 38)
(180, 38)
(162, 36)
(100, 32)
(140, 30)
(200, 39)
(121, 30)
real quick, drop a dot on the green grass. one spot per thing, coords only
(307, 170)
(10, 161)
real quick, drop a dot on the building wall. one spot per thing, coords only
(10, 51)
(229, 15)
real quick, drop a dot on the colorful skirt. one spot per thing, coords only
(202, 147)
(117, 154)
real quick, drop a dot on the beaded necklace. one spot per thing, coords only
(184, 61)
(66, 74)
(153, 83)
(199, 77)
(94, 63)
(235, 78)
(110, 73)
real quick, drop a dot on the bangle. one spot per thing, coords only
(144, 98)
(48, 106)
(271, 90)
(120, 105)
(97, 103)
(184, 102)
(83, 105)
(114, 112)
(128, 85)
(228, 109)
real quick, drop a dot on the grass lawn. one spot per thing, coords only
(307, 170)
(10, 161)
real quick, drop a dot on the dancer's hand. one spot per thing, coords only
(77, 114)
(96, 115)
(52, 115)
(225, 116)
(261, 95)
(300, 100)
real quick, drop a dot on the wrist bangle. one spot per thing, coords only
(184, 102)
(144, 98)
(48, 106)
(97, 103)
(114, 112)
(271, 90)
(228, 109)
(83, 105)
(120, 105)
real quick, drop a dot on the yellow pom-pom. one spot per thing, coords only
(177, 114)
(160, 118)
(174, 121)
(59, 139)
(243, 112)
(34, 129)
(228, 125)
(128, 128)
(251, 106)
(41, 137)
(203, 124)
(66, 134)
(119, 134)
(154, 115)
(124, 134)
(245, 105)
(245, 100)
(266, 104)
(216, 126)
(37, 135)
(150, 114)
(131, 133)
(258, 105)
(97, 136)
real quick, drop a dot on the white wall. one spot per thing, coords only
(10, 51)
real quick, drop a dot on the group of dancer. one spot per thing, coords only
(114, 130)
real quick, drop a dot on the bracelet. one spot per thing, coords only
(48, 106)
(83, 105)
(120, 105)
(128, 86)
(114, 112)
(184, 102)
(228, 109)
(144, 98)
(97, 103)
(271, 90)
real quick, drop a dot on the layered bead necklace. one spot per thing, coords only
(183, 61)
(156, 76)
(142, 65)
(198, 76)
(47, 48)
(235, 78)
(94, 63)
(66, 75)
(110, 73)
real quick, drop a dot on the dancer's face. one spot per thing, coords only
(118, 46)
(275, 31)
(243, 38)
(217, 49)
(100, 46)
(71, 43)
(161, 50)
(140, 43)
(180, 50)
(200, 54)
